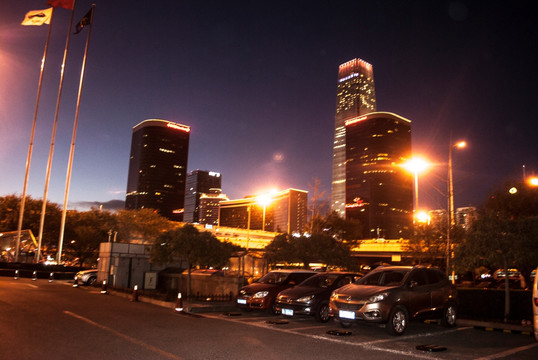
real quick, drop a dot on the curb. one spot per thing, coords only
(498, 327)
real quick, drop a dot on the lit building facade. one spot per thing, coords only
(355, 97)
(209, 206)
(199, 182)
(379, 192)
(465, 216)
(286, 212)
(157, 167)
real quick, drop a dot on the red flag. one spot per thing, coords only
(66, 4)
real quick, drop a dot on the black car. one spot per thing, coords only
(311, 297)
(261, 294)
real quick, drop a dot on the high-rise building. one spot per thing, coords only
(285, 212)
(355, 97)
(379, 192)
(158, 167)
(198, 182)
(209, 206)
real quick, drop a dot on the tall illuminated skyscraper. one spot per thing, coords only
(355, 97)
(379, 192)
(158, 168)
(199, 182)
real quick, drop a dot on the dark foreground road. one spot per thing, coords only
(42, 320)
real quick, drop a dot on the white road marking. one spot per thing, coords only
(508, 352)
(33, 286)
(125, 337)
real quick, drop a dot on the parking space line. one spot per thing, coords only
(415, 336)
(508, 352)
(125, 337)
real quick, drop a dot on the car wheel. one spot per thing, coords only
(92, 280)
(449, 315)
(398, 319)
(322, 314)
(345, 324)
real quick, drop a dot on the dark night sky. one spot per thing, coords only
(256, 81)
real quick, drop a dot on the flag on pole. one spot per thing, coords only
(66, 4)
(86, 20)
(37, 17)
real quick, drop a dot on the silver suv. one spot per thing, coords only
(393, 295)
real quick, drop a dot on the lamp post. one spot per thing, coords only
(415, 166)
(451, 221)
(263, 200)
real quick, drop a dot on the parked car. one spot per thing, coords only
(393, 295)
(311, 297)
(86, 277)
(262, 293)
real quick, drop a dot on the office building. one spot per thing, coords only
(355, 97)
(199, 182)
(284, 212)
(209, 206)
(379, 192)
(465, 216)
(158, 167)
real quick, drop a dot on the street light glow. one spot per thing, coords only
(416, 165)
(460, 144)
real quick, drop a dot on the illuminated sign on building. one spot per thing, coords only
(179, 127)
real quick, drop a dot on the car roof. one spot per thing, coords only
(295, 271)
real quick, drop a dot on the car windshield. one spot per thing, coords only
(389, 277)
(320, 281)
(274, 277)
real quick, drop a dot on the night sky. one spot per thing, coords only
(256, 81)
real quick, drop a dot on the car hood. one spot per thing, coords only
(362, 291)
(254, 288)
(300, 291)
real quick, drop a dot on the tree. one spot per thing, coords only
(9, 218)
(143, 225)
(504, 235)
(188, 245)
(84, 231)
(309, 249)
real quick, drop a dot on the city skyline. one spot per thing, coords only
(256, 83)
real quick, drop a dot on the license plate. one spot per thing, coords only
(347, 314)
(242, 301)
(288, 312)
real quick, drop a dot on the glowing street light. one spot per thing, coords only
(416, 165)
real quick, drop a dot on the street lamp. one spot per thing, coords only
(451, 221)
(263, 200)
(416, 165)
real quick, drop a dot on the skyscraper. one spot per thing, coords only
(379, 192)
(355, 97)
(157, 167)
(198, 182)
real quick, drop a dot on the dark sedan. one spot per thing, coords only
(261, 294)
(311, 297)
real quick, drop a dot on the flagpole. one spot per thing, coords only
(53, 136)
(72, 151)
(31, 144)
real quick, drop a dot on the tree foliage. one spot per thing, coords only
(188, 245)
(84, 231)
(143, 225)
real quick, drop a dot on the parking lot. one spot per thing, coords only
(462, 342)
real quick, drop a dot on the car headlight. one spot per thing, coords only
(260, 294)
(242, 292)
(334, 296)
(305, 299)
(378, 297)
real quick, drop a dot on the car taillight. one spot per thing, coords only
(535, 301)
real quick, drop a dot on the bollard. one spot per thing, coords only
(34, 276)
(179, 303)
(51, 277)
(103, 288)
(75, 284)
(134, 296)
(16, 275)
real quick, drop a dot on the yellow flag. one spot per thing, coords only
(37, 17)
